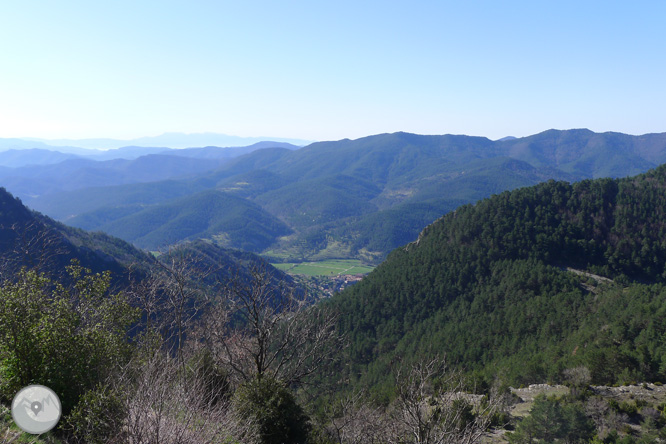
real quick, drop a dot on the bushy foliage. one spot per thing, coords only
(550, 421)
(68, 339)
(273, 411)
(97, 416)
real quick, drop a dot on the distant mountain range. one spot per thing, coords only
(25, 154)
(171, 140)
(350, 198)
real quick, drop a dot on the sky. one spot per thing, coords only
(320, 70)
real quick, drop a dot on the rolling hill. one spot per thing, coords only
(588, 154)
(29, 239)
(79, 173)
(233, 221)
(34, 156)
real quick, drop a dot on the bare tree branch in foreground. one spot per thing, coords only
(172, 297)
(33, 246)
(423, 415)
(263, 327)
(354, 422)
(164, 405)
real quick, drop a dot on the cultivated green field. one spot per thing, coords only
(331, 267)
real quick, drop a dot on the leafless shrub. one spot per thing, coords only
(172, 296)
(167, 403)
(354, 422)
(578, 379)
(431, 407)
(597, 408)
(264, 327)
(612, 421)
(425, 415)
(30, 245)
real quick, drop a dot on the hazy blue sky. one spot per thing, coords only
(329, 70)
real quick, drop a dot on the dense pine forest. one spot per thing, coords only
(491, 286)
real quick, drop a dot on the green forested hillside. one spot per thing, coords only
(67, 206)
(31, 240)
(435, 196)
(317, 201)
(253, 183)
(214, 266)
(34, 241)
(207, 214)
(487, 285)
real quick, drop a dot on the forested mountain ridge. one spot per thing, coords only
(364, 197)
(206, 214)
(487, 286)
(29, 239)
(14, 158)
(589, 154)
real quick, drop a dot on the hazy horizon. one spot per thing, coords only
(177, 140)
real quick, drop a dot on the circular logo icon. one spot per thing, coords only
(36, 409)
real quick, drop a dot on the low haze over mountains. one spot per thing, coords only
(172, 140)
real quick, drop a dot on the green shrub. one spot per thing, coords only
(97, 417)
(630, 408)
(68, 339)
(272, 407)
(551, 421)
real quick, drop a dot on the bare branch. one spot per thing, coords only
(265, 327)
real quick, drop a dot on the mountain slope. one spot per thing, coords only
(33, 156)
(317, 201)
(487, 286)
(68, 204)
(214, 266)
(398, 225)
(35, 241)
(29, 239)
(234, 221)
